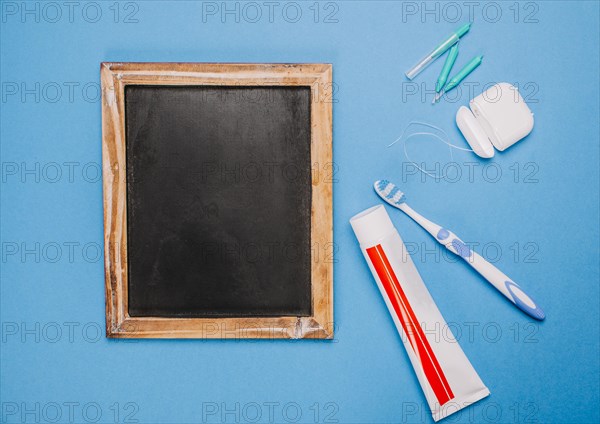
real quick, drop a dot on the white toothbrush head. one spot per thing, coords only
(389, 192)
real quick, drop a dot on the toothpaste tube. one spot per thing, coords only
(447, 378)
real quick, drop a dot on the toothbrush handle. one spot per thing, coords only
(497, 278)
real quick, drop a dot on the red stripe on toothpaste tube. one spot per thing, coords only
(447, 378)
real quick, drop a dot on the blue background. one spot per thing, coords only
(543, 220)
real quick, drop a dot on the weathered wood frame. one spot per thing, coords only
(114, 78)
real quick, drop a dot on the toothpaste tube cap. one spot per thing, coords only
(372, 225)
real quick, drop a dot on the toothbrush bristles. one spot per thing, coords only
(389, 192)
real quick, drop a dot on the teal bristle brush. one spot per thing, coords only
(393, 196)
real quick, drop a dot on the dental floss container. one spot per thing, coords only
(498, 117)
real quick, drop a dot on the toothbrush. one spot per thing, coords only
(393, 196)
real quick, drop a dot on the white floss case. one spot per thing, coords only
(498, 117)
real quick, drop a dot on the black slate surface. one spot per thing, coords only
(218, 201)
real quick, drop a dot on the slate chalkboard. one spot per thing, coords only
(218, 201)
(217, 186)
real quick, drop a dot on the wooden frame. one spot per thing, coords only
(114, 78)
